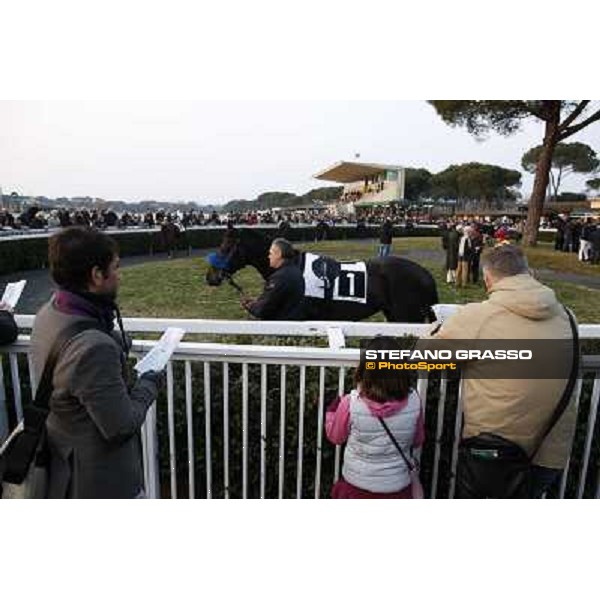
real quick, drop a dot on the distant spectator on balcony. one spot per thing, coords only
(373, 467)
(94, 422)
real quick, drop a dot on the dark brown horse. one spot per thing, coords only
(403, 290)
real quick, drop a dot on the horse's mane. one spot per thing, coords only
(251, 236)
(256, 239)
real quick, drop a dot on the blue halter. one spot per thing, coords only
(218, 261)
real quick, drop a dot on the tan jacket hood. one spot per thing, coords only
(526, 297)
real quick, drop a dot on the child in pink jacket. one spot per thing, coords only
(378, 463)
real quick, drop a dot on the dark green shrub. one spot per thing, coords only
(18, 254)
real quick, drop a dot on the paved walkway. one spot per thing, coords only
(548, 275)
(439, 256)
(40, 286)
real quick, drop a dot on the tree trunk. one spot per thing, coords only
(542, 176)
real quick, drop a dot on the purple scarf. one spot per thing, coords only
(86, 304)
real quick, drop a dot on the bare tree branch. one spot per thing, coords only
(575, 128)
(560, 173)
(576, 112)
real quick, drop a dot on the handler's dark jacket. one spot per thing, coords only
(8, 328)
(283, 296)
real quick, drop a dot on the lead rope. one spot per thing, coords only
(233, 283)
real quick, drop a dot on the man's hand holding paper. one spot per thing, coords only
(158, 357)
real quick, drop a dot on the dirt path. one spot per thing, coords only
(547, 275)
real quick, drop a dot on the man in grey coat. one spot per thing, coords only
(94, 421)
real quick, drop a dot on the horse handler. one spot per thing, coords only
(283, 296)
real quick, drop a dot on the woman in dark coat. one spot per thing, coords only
(450, 243)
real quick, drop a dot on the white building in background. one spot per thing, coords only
(366, 184)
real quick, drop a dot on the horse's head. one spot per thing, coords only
(229, 258)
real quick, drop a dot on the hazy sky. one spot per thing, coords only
(217, 151)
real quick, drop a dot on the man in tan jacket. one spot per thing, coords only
(519, 410)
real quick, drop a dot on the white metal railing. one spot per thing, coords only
(284, 328)
(239, 369)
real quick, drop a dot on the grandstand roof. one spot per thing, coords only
(347, 172)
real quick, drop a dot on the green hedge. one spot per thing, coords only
(18, 254)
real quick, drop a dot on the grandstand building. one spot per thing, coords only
(365, 184)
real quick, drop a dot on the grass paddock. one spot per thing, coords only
(177, 289)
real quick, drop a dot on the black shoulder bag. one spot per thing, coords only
(490, 466)
(25, 445)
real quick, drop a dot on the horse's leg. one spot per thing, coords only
(406, 313)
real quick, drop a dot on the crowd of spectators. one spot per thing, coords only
(578, 235)
(35, 218)
(464, 240)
